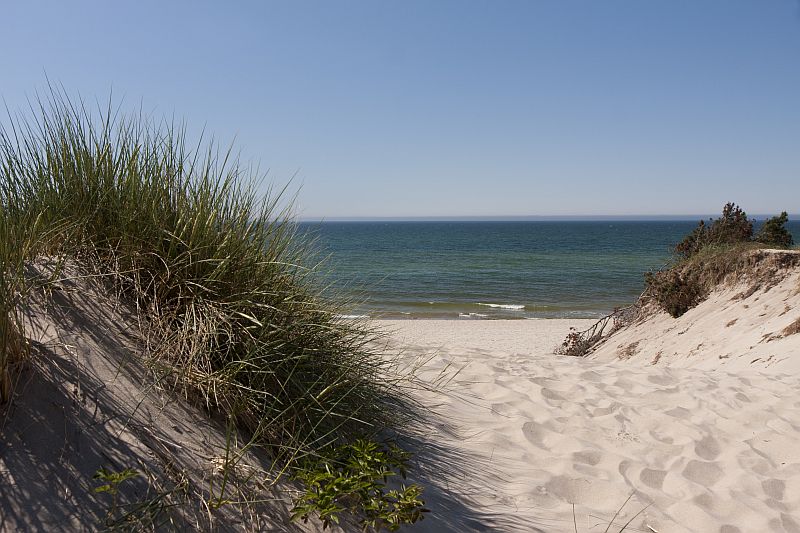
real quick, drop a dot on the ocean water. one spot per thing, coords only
(490, 270)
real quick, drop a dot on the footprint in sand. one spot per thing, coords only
(661, 380)
(588, 457)
(536, 434)
(603, 411)
(541, 381)
(742, 397)
(679, 412)
(703, 473)
(591, 375)
(788, 523)
(653, 478)
(705, 501)
(774, 488)
(552, 395)
(751, 460)
(707, 448)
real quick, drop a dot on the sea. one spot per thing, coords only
(473, 270)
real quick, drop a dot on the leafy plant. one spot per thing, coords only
(352, 479)
(110, 484)
(112, 480)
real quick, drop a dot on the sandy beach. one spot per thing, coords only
(530, 441)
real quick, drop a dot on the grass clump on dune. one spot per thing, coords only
(235, 315)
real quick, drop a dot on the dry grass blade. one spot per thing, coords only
(621, 507)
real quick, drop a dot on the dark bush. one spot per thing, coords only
(693, 242)
(673, 291)
(732, 227)
(774, 232)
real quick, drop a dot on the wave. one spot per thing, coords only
(352, 317)
(513, 307)
(471, 315)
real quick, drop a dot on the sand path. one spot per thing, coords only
(525, 434)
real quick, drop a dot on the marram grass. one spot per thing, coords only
(236, 316)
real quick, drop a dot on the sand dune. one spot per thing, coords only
(534, 433)
(736, 328)
(519, 440)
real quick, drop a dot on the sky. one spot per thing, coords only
(452, 108)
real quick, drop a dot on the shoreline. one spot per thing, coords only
(466, 317)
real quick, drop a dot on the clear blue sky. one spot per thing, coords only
(437, 107)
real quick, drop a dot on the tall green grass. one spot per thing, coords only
(235, 314)
(10, 346)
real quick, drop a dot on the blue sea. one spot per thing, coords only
(491, 270)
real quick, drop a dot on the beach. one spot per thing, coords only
(524, 440)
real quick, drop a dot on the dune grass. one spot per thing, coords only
(10, 345)
(236, 315)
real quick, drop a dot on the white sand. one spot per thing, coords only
(524, 434)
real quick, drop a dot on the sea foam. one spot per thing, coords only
(514, 307)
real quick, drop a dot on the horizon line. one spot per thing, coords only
(528, 218)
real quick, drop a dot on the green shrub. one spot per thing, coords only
(774, 233)
(352, 479)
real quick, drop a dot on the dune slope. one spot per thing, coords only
(751, 321)
(86, 402)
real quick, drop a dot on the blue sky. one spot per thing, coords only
(444, 108)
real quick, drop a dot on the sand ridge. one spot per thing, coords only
(698, 450)
(736, 328)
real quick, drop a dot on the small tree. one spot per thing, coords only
(732, 227)
(774, 232)
(692, 243)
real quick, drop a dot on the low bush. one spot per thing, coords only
(353, 478)
(675, 292)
